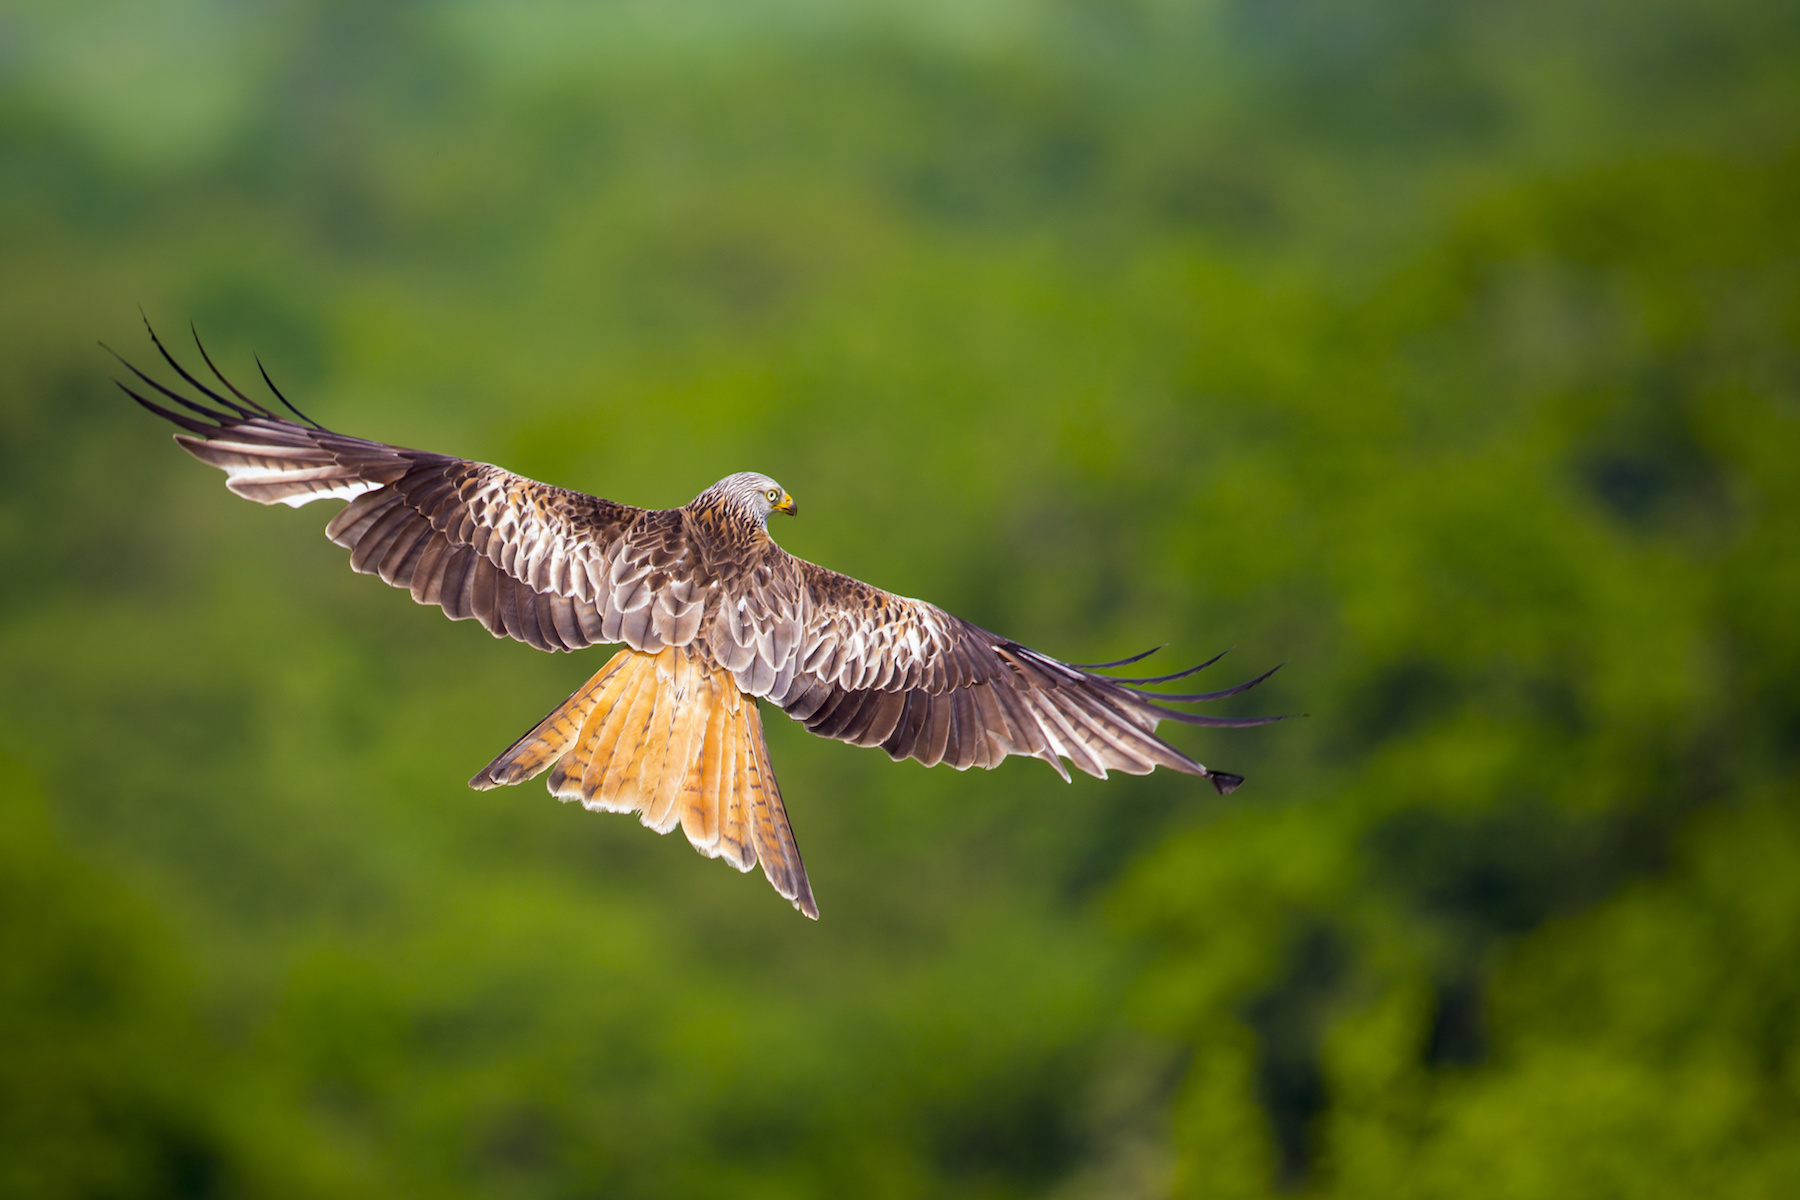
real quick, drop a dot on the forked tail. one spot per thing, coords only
(676, 742)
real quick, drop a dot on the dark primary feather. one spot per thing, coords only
(249, 407)
(1203, 697)
(207, 358)
(264, 371)
(1123, 662)
(1173, 674)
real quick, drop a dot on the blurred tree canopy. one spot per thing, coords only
(1449, 352)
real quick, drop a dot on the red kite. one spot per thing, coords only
(713, 615)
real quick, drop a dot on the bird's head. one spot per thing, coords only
(754, 495)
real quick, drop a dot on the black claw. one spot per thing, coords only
(1224, 782)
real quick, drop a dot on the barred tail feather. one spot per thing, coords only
(550, 738)
(677, 743)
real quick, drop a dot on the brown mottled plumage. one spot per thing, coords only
(714, 616)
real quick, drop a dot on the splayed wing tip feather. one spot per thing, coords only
(1173, 675)
(1205, 697)
(1118, 662)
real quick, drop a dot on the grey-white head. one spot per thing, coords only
(752, 495)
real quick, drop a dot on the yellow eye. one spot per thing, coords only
(774, 495)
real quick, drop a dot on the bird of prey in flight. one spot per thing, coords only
(713, 617)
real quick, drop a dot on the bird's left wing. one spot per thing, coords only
(553, 568)
(865, 666)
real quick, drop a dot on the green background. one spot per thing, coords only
(1449, 352)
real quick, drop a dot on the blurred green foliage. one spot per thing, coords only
(1449, 352)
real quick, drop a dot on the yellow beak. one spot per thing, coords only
(787, 505)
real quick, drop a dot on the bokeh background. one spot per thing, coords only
(1449, 352)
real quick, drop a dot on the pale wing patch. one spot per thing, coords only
(344, 491)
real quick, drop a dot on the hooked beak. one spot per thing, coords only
(787, 505)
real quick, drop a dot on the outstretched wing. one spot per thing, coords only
(555, 569)
(864, 666)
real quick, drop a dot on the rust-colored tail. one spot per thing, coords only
(676, 742)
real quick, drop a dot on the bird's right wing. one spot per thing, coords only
(865, 666)
(556, 569)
